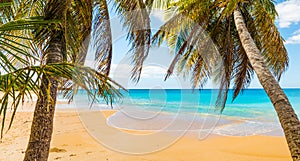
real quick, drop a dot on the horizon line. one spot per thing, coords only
(213, 88)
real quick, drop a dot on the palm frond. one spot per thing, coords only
(272, 44)
(13, 50)
(102, 37)
(6, 11)
(28, 8)
(77, 29)
(194, 50)
(28, 24)
(161, 4)
(25, 82)
(243, 72)
(182, 47)
(136, 19)
(170, 30)
(5, 4)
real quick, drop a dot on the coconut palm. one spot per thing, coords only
(65, 42)
(42, 124)
(78, 24)
(21, 77)
(287, 116)
(248, 41)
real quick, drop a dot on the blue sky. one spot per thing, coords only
(155, 67)
(288, 24)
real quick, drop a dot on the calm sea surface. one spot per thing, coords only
(252, 103)
(253, 108)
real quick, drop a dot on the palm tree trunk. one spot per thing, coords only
(287, 116)
(42, 125)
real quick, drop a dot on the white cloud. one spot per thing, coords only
(123, 71)
(294, 39)
(152, 77)
(153, 72)
(149, 71)
(289, 13)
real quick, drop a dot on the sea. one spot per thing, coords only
(251, 113)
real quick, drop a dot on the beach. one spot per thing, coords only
(72, 141)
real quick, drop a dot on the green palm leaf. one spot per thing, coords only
(135, 17)
(25, 82)
(102, 37)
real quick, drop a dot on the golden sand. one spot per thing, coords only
(71, 141)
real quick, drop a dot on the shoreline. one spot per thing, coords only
(200, 120)
(71, 141)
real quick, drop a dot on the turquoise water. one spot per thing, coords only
(253, 103)
(253, 107)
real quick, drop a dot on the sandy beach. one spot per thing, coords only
(71, 141)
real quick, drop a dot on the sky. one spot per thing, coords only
(156, 65)
(288, 23)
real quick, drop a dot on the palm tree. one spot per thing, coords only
(287, 116)
(78, 20)
(248, 41)
(42, 124)
(62, 43)
(20, 76)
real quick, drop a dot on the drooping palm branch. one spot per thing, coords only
(26, 17)
(20, 76)
(216, 19)
(135, 17)
(25, 82)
